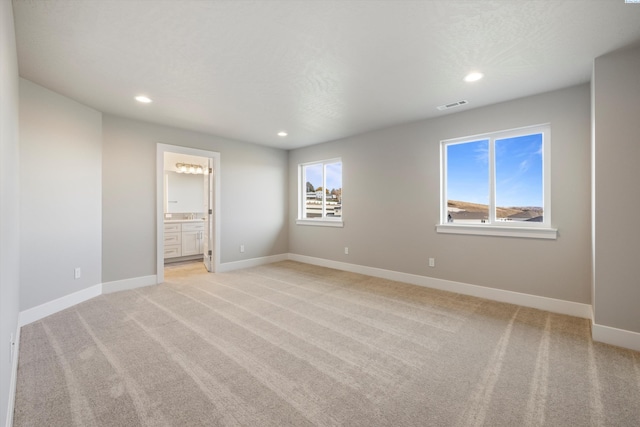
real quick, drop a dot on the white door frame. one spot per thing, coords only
(165, 148)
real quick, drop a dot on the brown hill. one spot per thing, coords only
(502, 212)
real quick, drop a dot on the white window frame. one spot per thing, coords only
(323, 221)
(494, 227)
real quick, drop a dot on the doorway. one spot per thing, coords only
(206, 218)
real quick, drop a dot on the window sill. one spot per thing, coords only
(488, 230)
(320, 222)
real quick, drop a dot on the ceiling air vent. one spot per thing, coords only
(452, 105)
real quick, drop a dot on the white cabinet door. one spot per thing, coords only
(189, 230)
(191, 243)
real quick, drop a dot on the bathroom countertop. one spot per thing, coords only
(174, 221)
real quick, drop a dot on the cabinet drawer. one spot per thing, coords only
(193, 226)
(172, 238)
(172, 251)
(172, 228)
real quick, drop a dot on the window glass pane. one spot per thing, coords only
(468, 182)
(519, 182)
(313, 201)
(333, 192)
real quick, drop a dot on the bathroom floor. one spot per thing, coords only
(184, 268)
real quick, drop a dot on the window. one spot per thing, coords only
(320, 189)
(497, 184)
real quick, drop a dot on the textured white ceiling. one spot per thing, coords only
(320, 70)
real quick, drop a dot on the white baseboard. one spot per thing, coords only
(615, 336)
(253, 262)
(14, 379)
(126, 284)
(41, 311)
(526, 300)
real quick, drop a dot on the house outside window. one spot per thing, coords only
(497, 184)
(320, 193)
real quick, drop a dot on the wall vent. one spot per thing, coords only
(452, 105)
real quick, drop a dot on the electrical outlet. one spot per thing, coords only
(432, 262)
(241, 248)
(77, 273)
(346, 250)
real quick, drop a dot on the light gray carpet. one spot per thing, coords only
(291, 344)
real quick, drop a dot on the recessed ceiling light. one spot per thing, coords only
(143, 99)
(282, 133)
(473, 77)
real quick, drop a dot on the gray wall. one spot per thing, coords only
(616, 112)
(253, 202)
(9, 199)
(60, 200)
(391, 202)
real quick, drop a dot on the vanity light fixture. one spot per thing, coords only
(143, 99)
(189, 168)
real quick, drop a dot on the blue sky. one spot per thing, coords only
(334, 175)
(518, 171)
(468, 172)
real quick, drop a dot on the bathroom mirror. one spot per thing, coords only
(183, 193)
